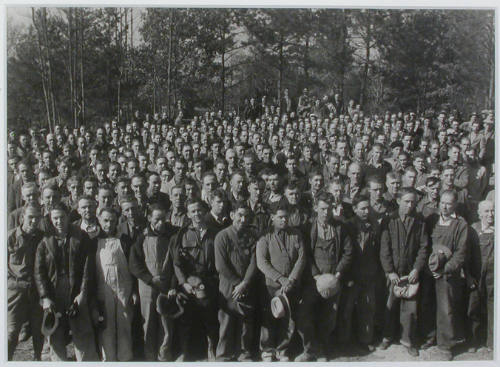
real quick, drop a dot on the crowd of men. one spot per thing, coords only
(269, 235)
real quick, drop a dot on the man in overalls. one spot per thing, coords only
(115, 290)
(451, 231)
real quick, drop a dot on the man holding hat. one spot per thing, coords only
(449, 235)
(331, 256)
(63, 278)
(403, 252)
(235, 263)
(151, 263)
(23, 302)
(281, 258)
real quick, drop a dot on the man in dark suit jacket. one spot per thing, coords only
(403, 252)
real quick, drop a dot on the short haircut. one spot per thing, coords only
(325, 197)
(281, 206)
(107, 209)
(452, 193)
(431, 181)
(32, 206)
(218, 193)
(405, 191)
(155, 206)
(359, 198)
(194, 201)
(240, 205)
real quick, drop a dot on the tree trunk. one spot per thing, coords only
(367, 58)
(42, 69)
(70, 61)
(169, 67)
(281, 67)
(223, 69)
(82, 83)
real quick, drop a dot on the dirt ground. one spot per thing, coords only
(395, 353)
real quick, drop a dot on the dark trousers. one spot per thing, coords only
(23, 306)
(401, 319)
(82, 332)
(276, 334)
(450, 311)
(235, 334)
(427, 308)
(357, 308)
(199, 315)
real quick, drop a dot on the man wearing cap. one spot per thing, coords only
(449, 230)
(331, 253)
(403, 252)
(235, 263)
(22, 298)
(63, 275)
(281, 258)
(151, 263)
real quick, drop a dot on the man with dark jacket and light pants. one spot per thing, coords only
(403, 252)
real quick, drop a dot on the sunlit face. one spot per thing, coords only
(447, 205)
(157, 220)
(31, 219)
(487, 213)
(60, 221)
(376, 191)
(362, 210)
(407, 203)
(108, 222)
(292, 196)
(195, 212)
(322, 210)
(280, 219)
(105, 198)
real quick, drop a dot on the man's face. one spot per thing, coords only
(108, 222)
(100, 172)
(24, 172)
(195, 212)
(217, 205)
(129, 211)
(362, 210)
(31, 218)
(291, 165)
(410, 178)
(89, 188)
(122, 189)
(292, 196)
(157, 219)
(237, 183)
(354, 174)
(179, 170)
(248, 164)
(448, 177)
(273, 182)
(377, 154)
(447, 205)
(322, 210)
(220, 171)
(240, 218)
(177, 197)
(376, 191)
(209, 183)
(60, 220)
(433, 191)
(49, 198)
(255, 190)
(105, 198)
(316, 183)
(454, 154)
(266, 155)
(419, 164)
(154, 184)
(407, 203)
(342, 149)
(280, 219)
(393, 185)
(138, 186)
(487, 213)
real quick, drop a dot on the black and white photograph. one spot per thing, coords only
(249, 183)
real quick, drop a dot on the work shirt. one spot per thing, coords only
(21, 252)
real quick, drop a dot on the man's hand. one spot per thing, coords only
(413, 276)
(436, 275)
(285, 284)
(79, 299)
(47, 304)
(393, 278)
(187, 288)
(480, 172)
(158, 281)
(239, 290)
(172, 293)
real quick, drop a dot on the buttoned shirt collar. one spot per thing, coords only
(446, 222)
